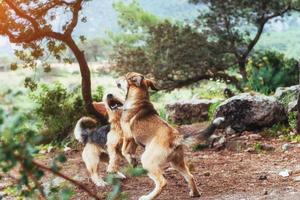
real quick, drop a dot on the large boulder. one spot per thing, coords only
(187, 112)
(249, 111)
(288, 97)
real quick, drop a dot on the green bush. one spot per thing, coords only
(98, 94)
(212, 110)
(57, 109)
(292, 119)
(269, 70)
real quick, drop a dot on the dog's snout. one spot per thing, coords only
(119, 85)
(109, 96)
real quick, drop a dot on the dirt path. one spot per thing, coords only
(233, 174)
(220, 175)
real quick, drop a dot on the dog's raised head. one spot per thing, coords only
(135, 80)
(111, 106)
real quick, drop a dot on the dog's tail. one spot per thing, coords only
(83, 127)
(203, 135)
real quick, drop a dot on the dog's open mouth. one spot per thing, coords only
(114, 104)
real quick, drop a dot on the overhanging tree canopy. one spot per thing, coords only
(178, 54)
(30, 22)
(237, 25)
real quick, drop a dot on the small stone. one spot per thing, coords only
(265, 192)
(285, 173)
(206, 174)
(57, 181)
(222, 141)
(79, 178)
(262, 177)
(250, 150)
(296, 179)
(67, 149)
(285, 147)
(254, 137)
(230, 131)
(296, 170)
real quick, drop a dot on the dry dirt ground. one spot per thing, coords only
(229, 173)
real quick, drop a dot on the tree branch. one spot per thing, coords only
(263, 20)
(223, 76)
(81, 186)
(73, 24)
(48, 6)
(22, 14)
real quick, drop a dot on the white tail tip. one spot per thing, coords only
(218, 121)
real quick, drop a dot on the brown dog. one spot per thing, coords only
(163, 143)
(102, 140)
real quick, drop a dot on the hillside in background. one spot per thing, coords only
(279, 35)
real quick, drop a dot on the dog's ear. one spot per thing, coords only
(138, 80)
(150, 84)
(100, 108)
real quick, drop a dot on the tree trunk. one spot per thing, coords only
(242, 68)
(85, 80)
(298, 104)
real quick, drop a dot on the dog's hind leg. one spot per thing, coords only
(112, 145)
(128, 148)
(178, 163)
(90, 156)
(152, 161)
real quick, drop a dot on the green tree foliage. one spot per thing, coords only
(58, 109)
(17, 150)
(177, 54)
(32, 25)
(238, 25)
(269, 70)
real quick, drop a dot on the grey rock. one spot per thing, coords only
(285, 147)
(187, 112)
(249, 111)
(285, 173)
(288, 96)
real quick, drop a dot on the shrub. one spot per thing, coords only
(258, 147)
(269, 70)
(292, 117)
(98, 94)
(58, 109)
(212, 110)
(176, 54)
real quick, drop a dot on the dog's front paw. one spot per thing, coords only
(120, 175)
(145, 197)
(134, 162)
(195, 194)
(100, 183)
